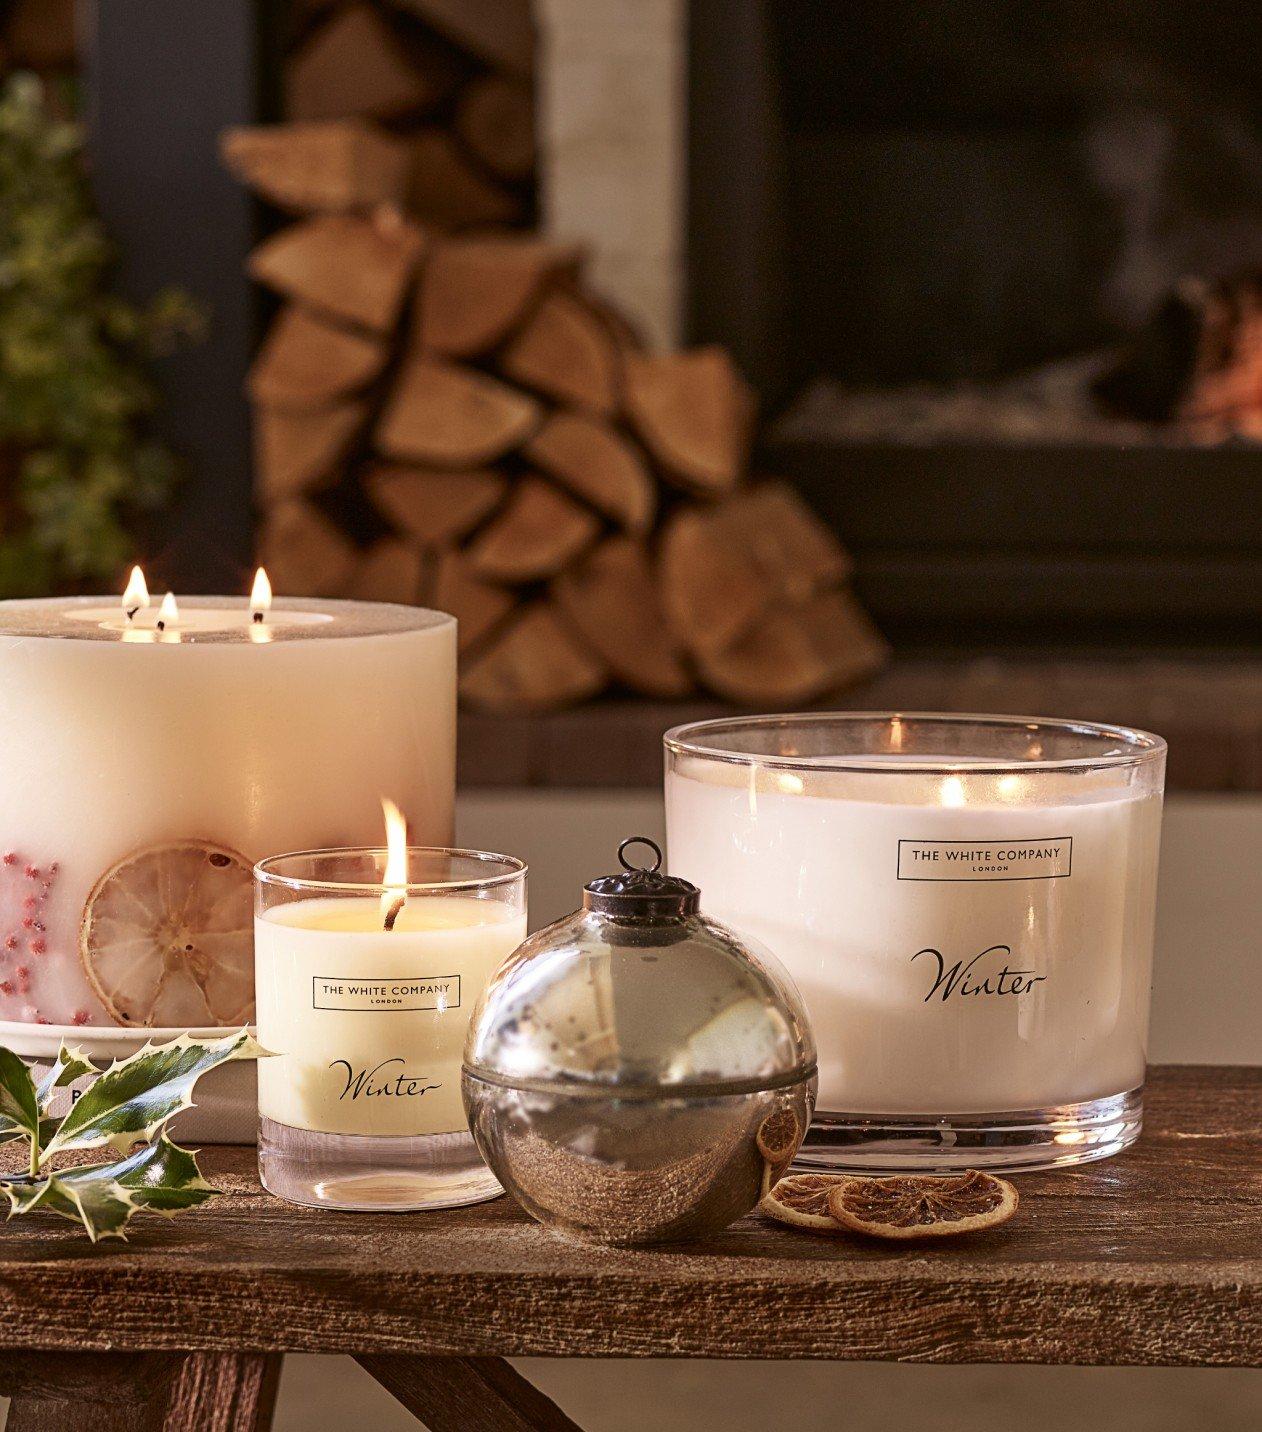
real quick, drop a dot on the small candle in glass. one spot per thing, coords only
(966, 904)
(367, 966)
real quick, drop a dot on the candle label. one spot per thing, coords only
(386, 996)
(1048, 858)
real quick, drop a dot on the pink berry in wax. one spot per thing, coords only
(38, 945)
(80, 1016)
(10, 858)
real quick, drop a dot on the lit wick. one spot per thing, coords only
(136, 596)
(167, 612)
(395, 895)
(260, 597)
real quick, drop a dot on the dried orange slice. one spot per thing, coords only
(922, 1206)
(801, 1200)
(167, 937)
(778, 1137)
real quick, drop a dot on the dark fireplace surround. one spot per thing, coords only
(925, 227)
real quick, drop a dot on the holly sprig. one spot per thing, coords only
(126, 1109)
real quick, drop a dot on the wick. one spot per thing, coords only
(162, 626)
(258, 617)
(395, 910)
(131, 614)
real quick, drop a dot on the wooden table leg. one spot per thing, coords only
(454, 1394)
(224, 1392)
(69, 1391)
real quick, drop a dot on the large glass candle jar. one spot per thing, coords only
(966, 904)
(366, 976)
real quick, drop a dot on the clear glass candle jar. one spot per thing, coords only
(364, 987)
(966, 904)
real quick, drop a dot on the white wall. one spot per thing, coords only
(1208, 991)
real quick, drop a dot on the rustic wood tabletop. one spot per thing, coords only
(1151, 1258)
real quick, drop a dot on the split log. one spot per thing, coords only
(40, 34)
(783, 540)
(307, 363)
(495, 117)
(567, 352)
(797, 654)
(695, 414)
(320, 168)
(595, 463)
(533, 665)
(297, 452)
(447, 416)
(724, 566)
(477, 606)
(355, 66)
(445, 190)
(709, 591)
(477, 290)
(610, 599)
(539, 531)
(390, 571)
(435, 509)
(304, 553)
(501, 33)
(355, 269)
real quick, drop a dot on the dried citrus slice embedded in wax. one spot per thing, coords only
(922, 1206)
(802, 1201)
(167, 937)
(778, 1137)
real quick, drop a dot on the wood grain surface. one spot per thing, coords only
(1151, 1258)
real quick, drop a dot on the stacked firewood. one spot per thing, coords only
(444, 413)
(449, 81)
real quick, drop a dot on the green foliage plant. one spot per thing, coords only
(77, 464)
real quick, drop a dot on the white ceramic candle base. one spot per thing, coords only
(965, 903)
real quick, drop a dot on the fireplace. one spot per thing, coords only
(965, 251)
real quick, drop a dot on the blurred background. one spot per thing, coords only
(694, 353)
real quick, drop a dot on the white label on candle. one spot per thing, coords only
(1051, 858)
(367, 1025)
(440, 992)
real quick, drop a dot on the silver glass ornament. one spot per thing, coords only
(637, 1073)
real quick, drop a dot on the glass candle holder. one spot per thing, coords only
(966, 904)
(364, 987)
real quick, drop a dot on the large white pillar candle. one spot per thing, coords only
(966, 905)
(149, 762)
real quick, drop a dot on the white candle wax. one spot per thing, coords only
(368, 1024)
(252, 736)
(965, 942)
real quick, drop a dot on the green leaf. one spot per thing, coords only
(159, 1178)
(9, 1132)
(19, 1103)
(70, 1064)
(135, 1097)
(102, 1206)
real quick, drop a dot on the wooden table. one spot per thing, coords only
(1151, 1258)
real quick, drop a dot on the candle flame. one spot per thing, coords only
(137, 594)
(394, 896)
(952, 793)
(260, 595)
(168, 612)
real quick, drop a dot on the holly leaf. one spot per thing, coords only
(70, 1064)
(103, 1207)
(19, 1103)
(160, 1178)
(135, 1097)
(9, 1132)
